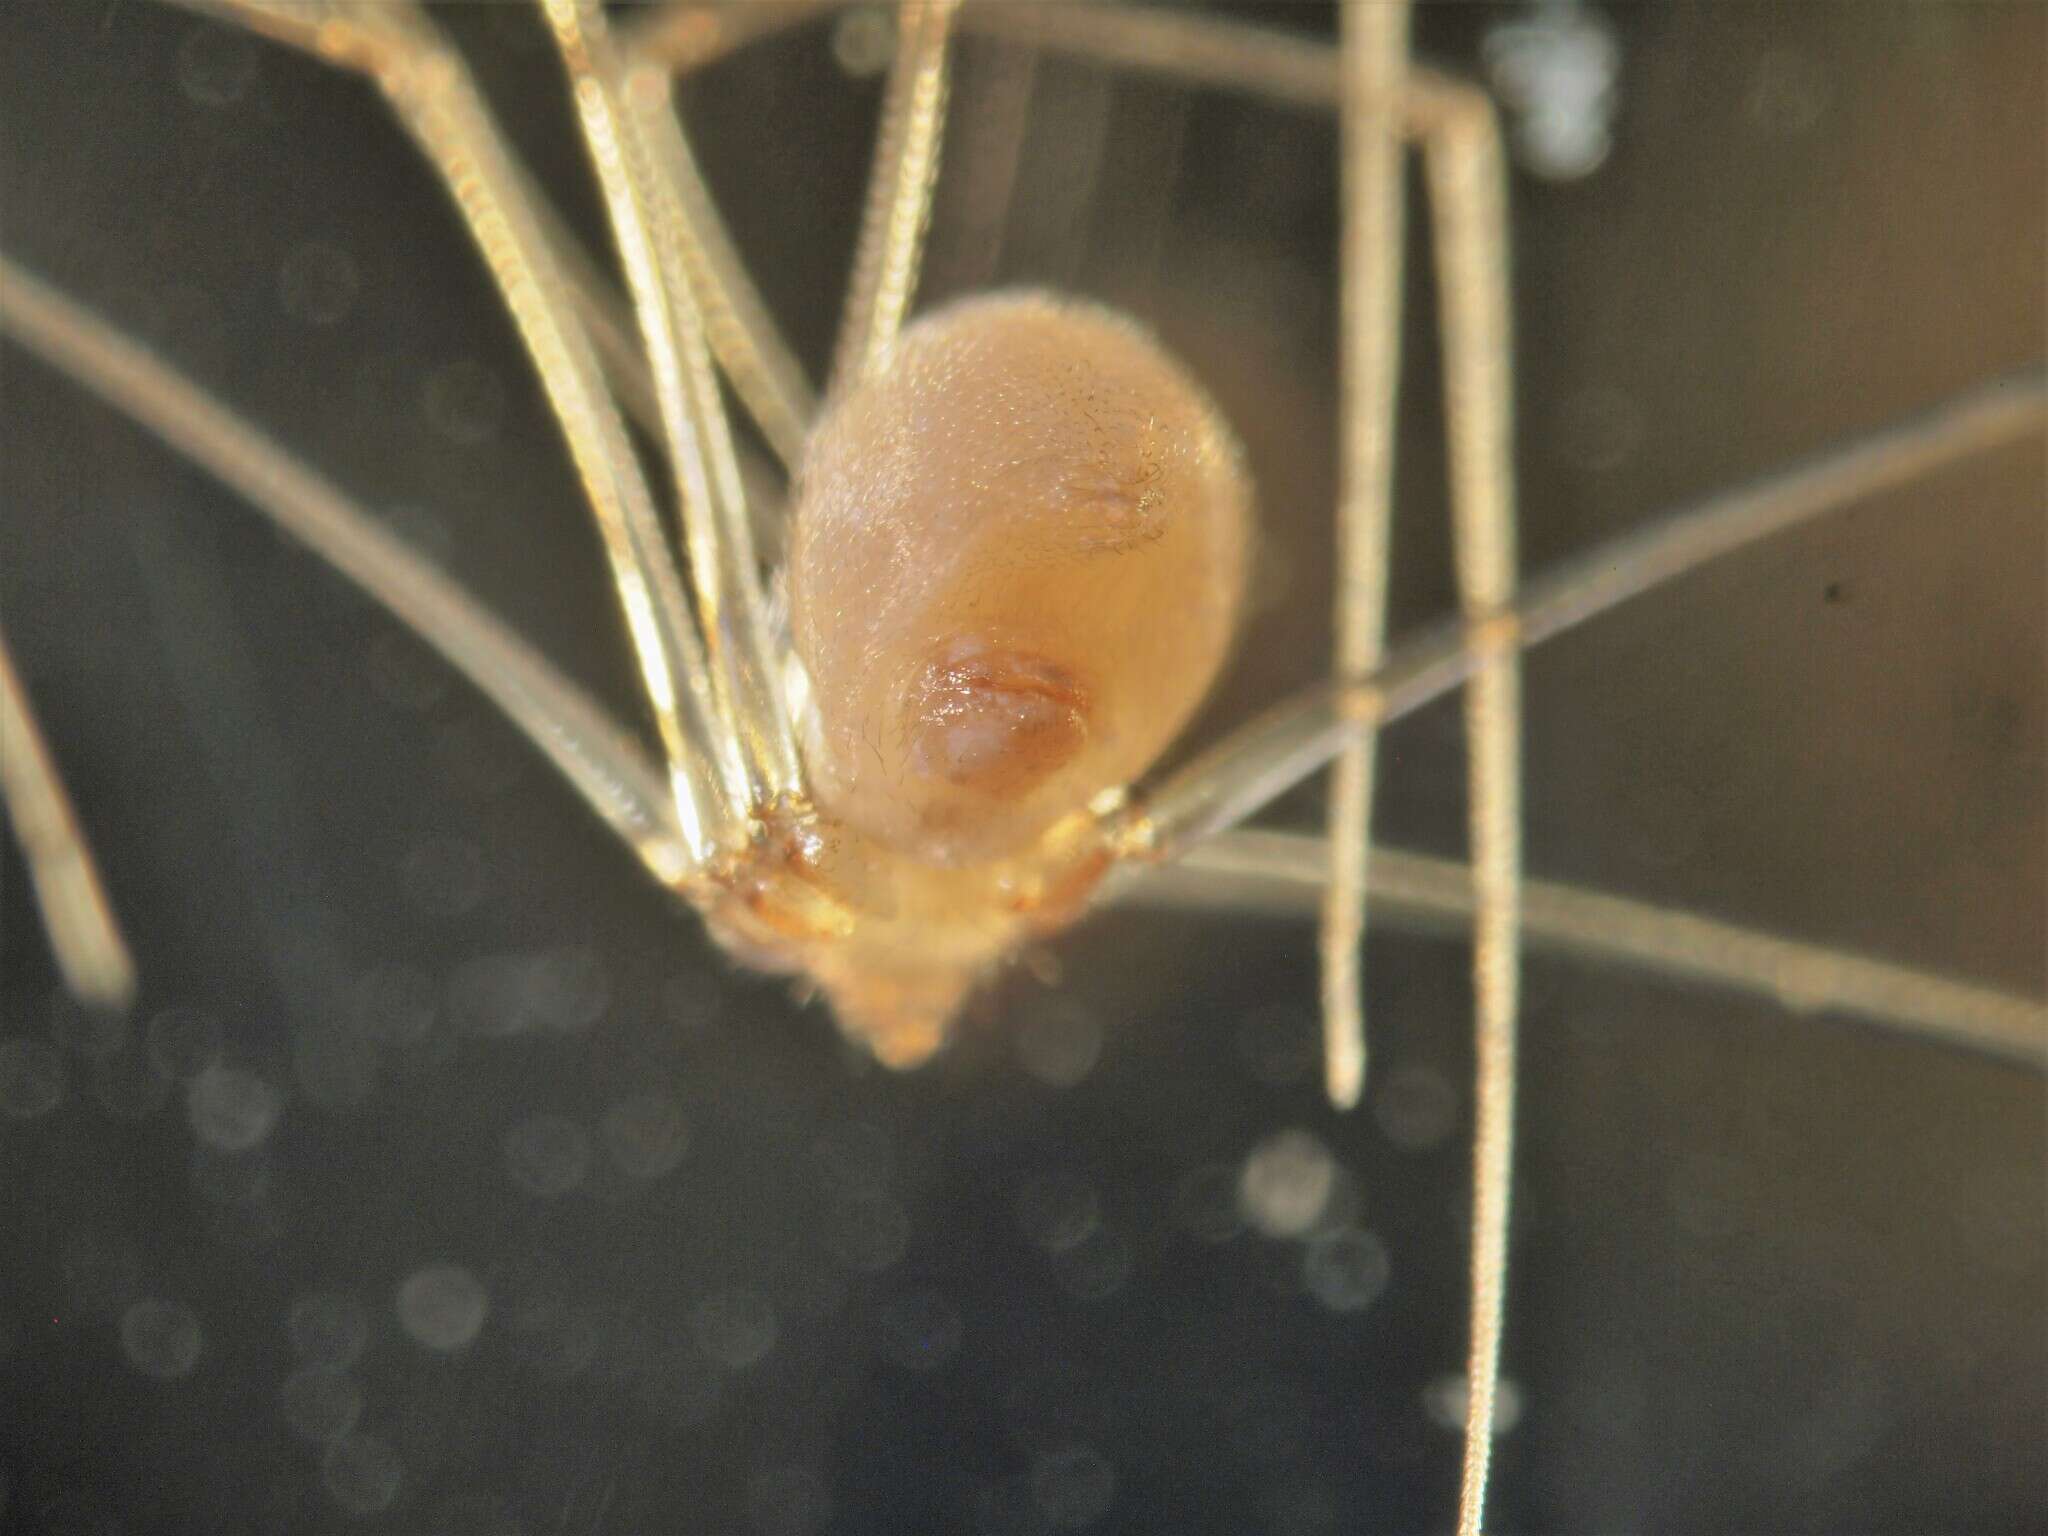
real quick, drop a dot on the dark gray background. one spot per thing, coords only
(1772, 1273)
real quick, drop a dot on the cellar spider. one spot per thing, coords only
(815, 883)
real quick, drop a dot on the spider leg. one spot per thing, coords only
(85, 935)
(439, 105)
(1375, 52)
(1262, 760)
(595, 754)
(899, 201)
(1467, 180)
(1281, 874)
(614, 112)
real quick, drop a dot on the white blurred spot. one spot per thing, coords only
(1073, 1486)
(736, 1328)
(231, 1110)
(1346, 1270)
(464, 402)
(328, 1328)
(646, 1135)
(1095, 1268)
(31, 1078)
(216, 65)
(1059, 1045)
(317, 283)
(547, 1155)
(1416, 1107)
(362, 1473)
(161, 1338)
(1286, 1183)
(1205, 1203)
(443, 1306)
(321, 1403)
(1055, 1211)
(1555, 72)
(396, 1003)
(1279, 1045)
(864, 41)
(1445, 1400)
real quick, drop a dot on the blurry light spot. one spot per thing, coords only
(1555, 72)
(1205, 1203)
(864, 41)
(1056, 1210)
(161, 1338)
(31, 1078)
(328, 1328)
(442, 1306)
(1074, 1486)
(867, 1232)
(735, 1328)
(1286, 1183)
(230, 1109)
(317, 283)
(1095, 1268)
(184, 1042)
(646, 1135)
(443, 877)
(1059, 1045)
(216, 65)
(362, 1473)
(1415, 1106)
(547, 1155)
(568, 988)
(1345, 1270)
(788, 1501)
(321, 1403)
(1279, 1045)
(920, 1330)
(397, 1003)
(464, 402)
(95, 1033)
(854, 1158)
(1445, 1400)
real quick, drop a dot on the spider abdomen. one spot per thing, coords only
(1018, 554)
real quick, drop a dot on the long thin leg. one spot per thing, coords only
(1281, 874)
(1375, 51)
(899, 202)
(439, 105)
(1274, 873)
(1461, 152)
(85, 935)
(723, 568)
(591, 751)
(1261, 761)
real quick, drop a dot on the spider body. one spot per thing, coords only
(1017, 563)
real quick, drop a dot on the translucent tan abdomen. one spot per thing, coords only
(1017, 561)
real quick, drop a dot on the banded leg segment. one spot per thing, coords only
(649, 230)
(1375, 51)
(85, 935)
(899, 202)
(441, 108)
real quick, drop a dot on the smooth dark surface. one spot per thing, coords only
(1772, 1273)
